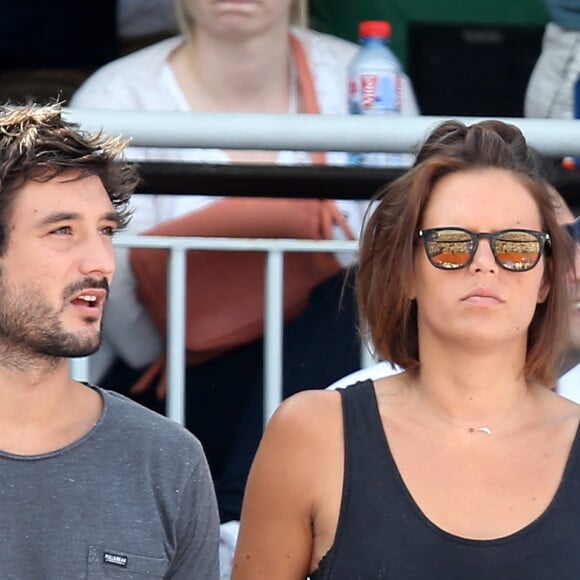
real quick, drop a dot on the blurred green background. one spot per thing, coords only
(470, 57)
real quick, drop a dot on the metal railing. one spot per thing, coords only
(551, 137)
(273, 310)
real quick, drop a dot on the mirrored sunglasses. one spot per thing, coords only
(454, 248)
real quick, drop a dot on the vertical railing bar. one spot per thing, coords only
(176, 322)
(176, 293)
(273, 325)
(79, 368)
(366, 357)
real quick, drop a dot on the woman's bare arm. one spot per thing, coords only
(281, 502)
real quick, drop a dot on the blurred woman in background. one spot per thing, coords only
(231, 56)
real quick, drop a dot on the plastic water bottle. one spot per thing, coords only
(375, 85)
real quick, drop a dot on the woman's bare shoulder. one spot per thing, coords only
(307, 412)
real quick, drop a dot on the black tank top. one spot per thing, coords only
(382, 533)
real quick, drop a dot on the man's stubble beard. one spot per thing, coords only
(29, 324)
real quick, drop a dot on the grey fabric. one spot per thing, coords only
(132, 499)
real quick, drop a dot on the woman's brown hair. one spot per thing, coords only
(388, 315)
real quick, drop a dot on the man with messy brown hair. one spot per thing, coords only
(93, 484)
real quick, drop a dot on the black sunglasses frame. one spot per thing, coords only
(543, 239)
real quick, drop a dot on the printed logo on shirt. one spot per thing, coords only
(115, 559)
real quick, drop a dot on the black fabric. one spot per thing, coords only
(320, 346)
(224, 397)
(383, 535)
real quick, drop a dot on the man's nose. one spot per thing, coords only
(98, 257)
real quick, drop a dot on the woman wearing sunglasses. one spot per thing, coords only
(465, 465)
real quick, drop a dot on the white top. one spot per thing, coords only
(568, 385)
(144, 80)
(374, 372)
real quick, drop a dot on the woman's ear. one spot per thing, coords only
(544, 290)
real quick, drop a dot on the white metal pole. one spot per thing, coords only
(551, 137)
(273, 325)
(176, 305)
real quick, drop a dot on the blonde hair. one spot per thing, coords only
(298, 16)
(299, 13)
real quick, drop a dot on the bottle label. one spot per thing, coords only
(368, 91)
(374, 93)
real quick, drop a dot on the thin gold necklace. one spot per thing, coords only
(485, 430)
(482, 429)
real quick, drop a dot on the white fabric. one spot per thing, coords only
(228, 540)
(569, 384)
(144, 80)
(374, 372)
(551, 87)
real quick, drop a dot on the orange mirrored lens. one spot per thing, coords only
(517, 250)
(450, 248)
